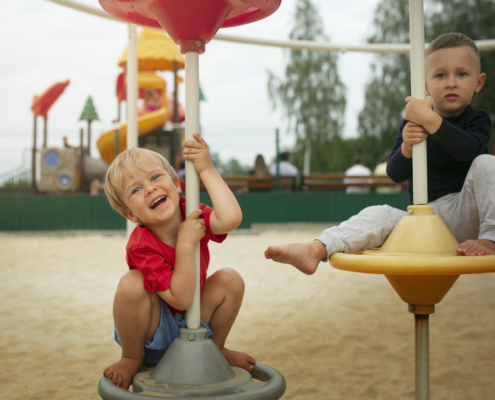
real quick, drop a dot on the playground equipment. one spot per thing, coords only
(193, 366)
(156, 52)
(107, 143)
(40, 107)
(419, 258)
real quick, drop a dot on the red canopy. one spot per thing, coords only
(41, 104)
(120, 87)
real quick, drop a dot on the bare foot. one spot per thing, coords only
(480, 247)
(122, 372)
(238, 359)
(304, 256)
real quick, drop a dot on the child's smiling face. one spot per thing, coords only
(150, 194)
(452, 77)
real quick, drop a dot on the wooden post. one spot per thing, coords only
(45, 129)
(89, 137)
(33, 159)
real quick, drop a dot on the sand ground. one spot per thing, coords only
(333, 335)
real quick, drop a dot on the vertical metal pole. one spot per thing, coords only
(422, 357)
(117, 139)
(416, 24)
(277, 149)
(45, 131)
(33, 157)
(192, 178)
(132, 86)
(176, 95)
(81, 160)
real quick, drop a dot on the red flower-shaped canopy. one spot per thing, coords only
(41, 104)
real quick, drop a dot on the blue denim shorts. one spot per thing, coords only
(166, 333)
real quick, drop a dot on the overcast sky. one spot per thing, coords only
(43, 43)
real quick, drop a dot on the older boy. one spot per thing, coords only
(461, 176)
(151, 298)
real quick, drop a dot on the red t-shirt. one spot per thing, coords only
(156, 260)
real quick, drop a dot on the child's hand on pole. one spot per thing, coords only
(412, 134)
(420, 112)
(197, 152)
(192, 229)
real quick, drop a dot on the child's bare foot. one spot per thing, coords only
(304, 256)
(122, 372)
(238, 359)
(480, 247)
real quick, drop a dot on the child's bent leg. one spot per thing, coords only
(368, 229)
(470, 214)
(220, 303)
(137, 316)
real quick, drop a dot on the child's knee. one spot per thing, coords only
(131, 286)
(484, 163)
(231, 280)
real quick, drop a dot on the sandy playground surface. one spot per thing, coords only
(333, 335)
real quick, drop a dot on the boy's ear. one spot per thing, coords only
(130, 216)
(426, 90)
(178, 186)
(480, 82)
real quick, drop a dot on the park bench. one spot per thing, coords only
(251, 182)
(336, 181)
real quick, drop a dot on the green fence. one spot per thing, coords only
(84, 212)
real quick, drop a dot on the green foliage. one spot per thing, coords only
(89, 112)
(390, 83)
(335, 155)
(230, 167)
(312, 94)
(475, 19)
(17, 186)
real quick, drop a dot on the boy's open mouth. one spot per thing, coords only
(158, 202)
(452, 96)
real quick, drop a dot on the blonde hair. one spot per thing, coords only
(127, 161)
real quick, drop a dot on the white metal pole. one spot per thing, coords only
(192, 178)
(416, 23)
(132, 97)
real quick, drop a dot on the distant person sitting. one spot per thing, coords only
(358, 169)
(152, 102)
(381, 170)
(286, 168)
(260, 169)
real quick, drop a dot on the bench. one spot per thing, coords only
(336, 181)
(251, 182)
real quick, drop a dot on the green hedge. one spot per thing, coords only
(84, 212)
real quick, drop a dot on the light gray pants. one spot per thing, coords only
(469, 214)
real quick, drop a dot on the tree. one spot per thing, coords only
(390, 83)
(89, 114)
(382, 114)
(312, 94)
(474, 18)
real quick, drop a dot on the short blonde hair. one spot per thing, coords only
(127, 161)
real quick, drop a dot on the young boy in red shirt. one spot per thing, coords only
(151, 298)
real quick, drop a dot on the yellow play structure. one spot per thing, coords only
(107, 142)
(156, 52)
